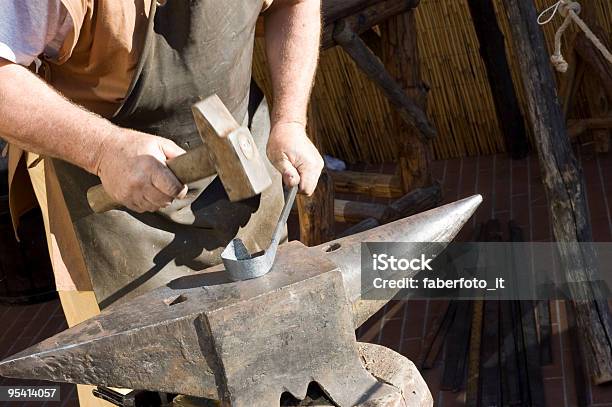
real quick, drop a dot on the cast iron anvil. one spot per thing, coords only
(246, 342)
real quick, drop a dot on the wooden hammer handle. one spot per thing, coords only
(189, 167)
(100, 201)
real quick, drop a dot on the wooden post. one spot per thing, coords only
(316, 212)
(493, 54)
(564, 186)
(401, 58)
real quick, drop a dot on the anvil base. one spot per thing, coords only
(385, 365)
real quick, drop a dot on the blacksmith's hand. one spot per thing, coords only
(132, 167)
(294, 156)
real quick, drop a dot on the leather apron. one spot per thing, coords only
(193, 49)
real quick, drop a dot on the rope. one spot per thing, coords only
(570, 10)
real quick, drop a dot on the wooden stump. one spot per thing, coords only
(316, 212)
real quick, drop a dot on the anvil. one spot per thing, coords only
(246, 342)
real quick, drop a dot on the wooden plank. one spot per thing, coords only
(457, 344)
(435, 345)
(511, 379)
(316, 213)
(520, 352)
(490, 354)
(473, 373)
(543, 318)
(472, 387)
(577, 127)
(366, 224)
(490, 381)
(529, 337)
(580, 371)
(544, 328)
(532, 354)
(367, 183)
(564, 185)
(353, 211)
(417, 201)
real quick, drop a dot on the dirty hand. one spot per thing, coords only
(294, 156)
(132, 168)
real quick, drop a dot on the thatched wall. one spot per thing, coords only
(353, 116)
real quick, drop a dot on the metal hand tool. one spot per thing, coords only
(242, 265)
(228, 150)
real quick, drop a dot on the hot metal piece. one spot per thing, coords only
(241, 265)
(242, 342)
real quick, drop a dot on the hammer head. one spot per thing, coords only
(232, 150)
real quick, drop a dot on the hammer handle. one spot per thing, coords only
(192, 166)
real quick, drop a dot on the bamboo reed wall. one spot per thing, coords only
(353, 116)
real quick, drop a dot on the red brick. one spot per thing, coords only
(438, 169)
(391, 334)
(369, 332)
(570, 378)
(450, 399)
(437, 307)
(467, 181)
(412, 349)
(540, 227)
(601, 394)
(554, 392)
(555, 369)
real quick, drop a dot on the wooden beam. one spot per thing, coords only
(367, 18)
(597, 86)
(375, 70)
(353, 211)
(333, 10)
(577, 127)
(564, 185)
(367, 183)
(597, 64)
(419, 200)
(400, 56)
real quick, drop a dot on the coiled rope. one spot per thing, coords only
(569, 10)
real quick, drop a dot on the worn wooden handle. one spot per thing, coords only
(189, 167)
(99, 200)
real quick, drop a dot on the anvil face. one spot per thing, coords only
(205, 336)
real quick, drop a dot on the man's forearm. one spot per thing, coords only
(36, 118)
(293, 31)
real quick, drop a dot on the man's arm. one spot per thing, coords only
(292, 34)
(130, 164)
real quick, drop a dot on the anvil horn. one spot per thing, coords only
(183, 337)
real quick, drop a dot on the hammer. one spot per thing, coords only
(228, 150)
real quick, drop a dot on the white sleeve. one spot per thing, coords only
(29, 28)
